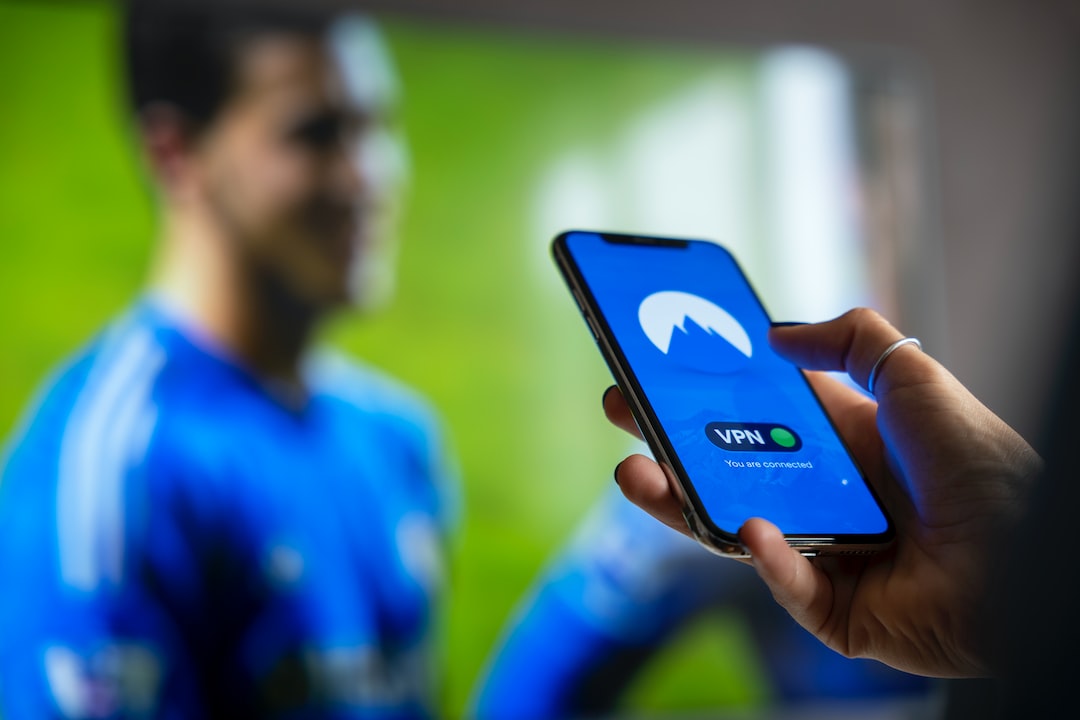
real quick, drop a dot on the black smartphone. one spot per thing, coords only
(738, 429)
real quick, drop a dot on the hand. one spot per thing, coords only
(951, 474)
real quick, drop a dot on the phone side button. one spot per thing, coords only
(592, 328)
(577, 298)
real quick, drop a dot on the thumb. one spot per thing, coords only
(853, 343)
(796, 585)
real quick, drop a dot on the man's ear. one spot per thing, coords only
(168, 143)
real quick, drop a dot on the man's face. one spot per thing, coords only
(295, 170)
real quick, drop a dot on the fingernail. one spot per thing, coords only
(616, 473)
(788, 324)
(603, 400)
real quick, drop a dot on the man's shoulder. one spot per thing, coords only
(368, 389)
(90, 375)
(112, 394)
(401, 422)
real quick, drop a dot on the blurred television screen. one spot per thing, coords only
(805, 162)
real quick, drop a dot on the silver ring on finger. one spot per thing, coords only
(874, 371)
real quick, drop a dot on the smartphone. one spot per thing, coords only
(737, 429)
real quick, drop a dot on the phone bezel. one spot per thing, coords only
(708, 533)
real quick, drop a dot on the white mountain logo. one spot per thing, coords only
(694, 332)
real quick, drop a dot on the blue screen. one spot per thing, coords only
(751, 437)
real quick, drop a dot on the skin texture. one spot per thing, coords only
(951, 474)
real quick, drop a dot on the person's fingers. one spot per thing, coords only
(644, 483)
(852, 412)
(855, 416)
(618, 412)
(799, 587)
(841, 400)
(853, 343)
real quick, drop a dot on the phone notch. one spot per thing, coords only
(644, 240)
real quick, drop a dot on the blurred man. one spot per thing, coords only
(201, 516)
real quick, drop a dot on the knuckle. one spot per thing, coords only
(863, 316)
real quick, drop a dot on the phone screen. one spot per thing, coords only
(743, 426)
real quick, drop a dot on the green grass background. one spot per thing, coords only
(475, 325)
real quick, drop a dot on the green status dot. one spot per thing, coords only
(782, 437)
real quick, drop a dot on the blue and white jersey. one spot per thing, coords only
(179, 540)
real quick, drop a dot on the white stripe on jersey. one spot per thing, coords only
(109, 429)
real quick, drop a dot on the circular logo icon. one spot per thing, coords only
(694, 332)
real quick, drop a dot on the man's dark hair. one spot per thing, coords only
(184, 53)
